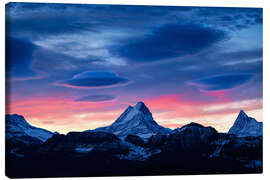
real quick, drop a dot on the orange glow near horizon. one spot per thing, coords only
(65, 115)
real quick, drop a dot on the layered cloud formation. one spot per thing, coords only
(19, 54)
(171, 40)
(77, 67)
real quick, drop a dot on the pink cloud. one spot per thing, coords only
(173, 107)
(172, 110)
(58, 111)
(220, 94)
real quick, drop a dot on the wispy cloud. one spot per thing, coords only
(96, 98)
(221, 82)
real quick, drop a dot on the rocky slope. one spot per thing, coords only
(135, 120)
(246, 126)
(17, 126)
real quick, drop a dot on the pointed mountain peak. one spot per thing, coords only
(242, 115)
(246, 126)
(242, 119)
(136, 120)
(140, 106)
(131, 112)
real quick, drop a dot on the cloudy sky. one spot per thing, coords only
(77, 67)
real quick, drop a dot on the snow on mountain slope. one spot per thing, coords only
(246, 126)
(17, 126)
(135, 120)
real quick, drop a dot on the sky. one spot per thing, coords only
(76, 67)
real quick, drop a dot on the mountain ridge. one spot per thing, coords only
(177, 149)
(136, 120)
(17, 126)
(246, 126)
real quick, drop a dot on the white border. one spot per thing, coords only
(219, 3)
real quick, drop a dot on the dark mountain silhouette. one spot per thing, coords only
(21, 136)
(133, 145)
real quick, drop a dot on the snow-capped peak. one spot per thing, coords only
(242, 115)
(135, 120)
(130, 112)
(246, 126)
(17, 126)
(17, 120)
(140, 106)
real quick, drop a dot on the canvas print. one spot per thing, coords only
(121, 90)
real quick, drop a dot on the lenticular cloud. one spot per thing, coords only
(94, 79)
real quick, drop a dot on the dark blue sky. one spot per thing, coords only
(105, 57)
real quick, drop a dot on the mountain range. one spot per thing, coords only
(135, 120)
(134, 138)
